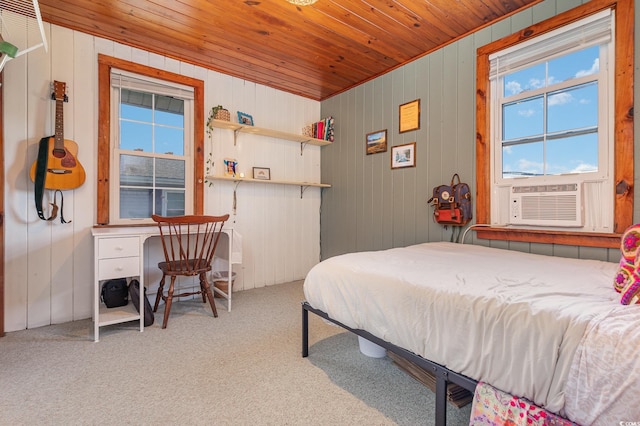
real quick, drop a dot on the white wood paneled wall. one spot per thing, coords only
(49, 265)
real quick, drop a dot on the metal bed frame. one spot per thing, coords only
(443, 375)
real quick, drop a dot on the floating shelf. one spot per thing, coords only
(242, 128)
(279, 182)
(303, 185)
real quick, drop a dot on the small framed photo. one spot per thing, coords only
(262, 173)
(245, 119)
(230, 167)
(377, 142)
(403, 156)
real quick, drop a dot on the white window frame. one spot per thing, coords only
(540, 49)
(124, 79)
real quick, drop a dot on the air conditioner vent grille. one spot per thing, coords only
(547, 205)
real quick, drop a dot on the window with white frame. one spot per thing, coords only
(552, 128)
(151, 141)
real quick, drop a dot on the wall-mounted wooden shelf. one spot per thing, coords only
(303, 185)
(272, 181)
(242, 128)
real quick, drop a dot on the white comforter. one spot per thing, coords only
(545, 328)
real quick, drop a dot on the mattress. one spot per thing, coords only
(535, 326)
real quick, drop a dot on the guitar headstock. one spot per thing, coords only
(59, 91)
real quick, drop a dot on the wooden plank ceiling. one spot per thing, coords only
(314, 51)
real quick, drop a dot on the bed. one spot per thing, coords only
(548, 329)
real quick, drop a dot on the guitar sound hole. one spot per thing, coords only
(59, 153)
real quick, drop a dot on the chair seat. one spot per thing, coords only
(184, 267)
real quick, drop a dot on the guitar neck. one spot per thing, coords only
(59, 95)
(58, 145)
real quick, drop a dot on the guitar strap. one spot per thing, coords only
(62, 220)
(41, 172)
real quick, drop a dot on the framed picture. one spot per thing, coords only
(263, 173)
(245, 119)
(377, 142)
(403, 156)
(410, 116)
(230, 167)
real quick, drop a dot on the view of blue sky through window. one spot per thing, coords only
(550, 116)
(152, 163)
(152, 128)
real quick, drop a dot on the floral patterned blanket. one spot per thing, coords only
(496, 408)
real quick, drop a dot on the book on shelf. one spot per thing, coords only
(323, 129)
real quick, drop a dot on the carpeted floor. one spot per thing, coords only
(242, 368)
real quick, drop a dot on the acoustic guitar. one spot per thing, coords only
(63, 171)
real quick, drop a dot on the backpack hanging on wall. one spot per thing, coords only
(452, 203)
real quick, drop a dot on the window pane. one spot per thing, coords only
(136, 136)
(169, 202)
(522, 119)
(136, 171)
(136, 106)
(578, 154)
(135, 203)
(169, 140)
(170, 173)
(574, 108)
(527, 79)
(169, 111)
(522, 160)
(575, 65)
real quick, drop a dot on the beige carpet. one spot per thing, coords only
(242, 368)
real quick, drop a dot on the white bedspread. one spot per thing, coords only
(514, 320)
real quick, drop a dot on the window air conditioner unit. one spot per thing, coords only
(547, 205)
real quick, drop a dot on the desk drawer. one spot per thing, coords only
(118, 268)
(118, 247)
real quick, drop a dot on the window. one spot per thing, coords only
(151, 140)
(551, 108)
(550, 116)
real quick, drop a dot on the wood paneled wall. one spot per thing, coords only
(372, 207)
(49, 265)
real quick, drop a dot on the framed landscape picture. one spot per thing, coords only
(403, 156)
(377, 142)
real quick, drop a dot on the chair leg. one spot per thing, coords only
(206, 290)
(159, 294)
(169, 300)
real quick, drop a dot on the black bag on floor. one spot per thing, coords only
(114, 293)
(134, 294)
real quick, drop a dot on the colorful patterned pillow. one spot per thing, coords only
(631, 291)
(629, 244)
(624, 275)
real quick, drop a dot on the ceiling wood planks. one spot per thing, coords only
(314, 51)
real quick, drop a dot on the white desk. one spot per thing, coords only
(119, 253)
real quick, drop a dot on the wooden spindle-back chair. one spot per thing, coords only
(189, 244)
